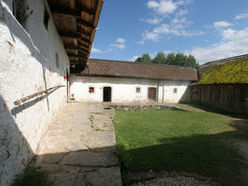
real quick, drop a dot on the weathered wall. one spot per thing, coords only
(27, 65)
(124, 89)
(227, 97)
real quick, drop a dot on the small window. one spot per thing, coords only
(138, 90)
(175, 90)
(91, 90)
(57, 60)
(46, 17)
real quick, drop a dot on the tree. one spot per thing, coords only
(171, 58)
(145, 58)
(191, 62)
(179, 59)
(159, 59)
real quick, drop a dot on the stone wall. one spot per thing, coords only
(27, 65)
(124, 89)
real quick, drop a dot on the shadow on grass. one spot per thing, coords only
(207, 155)
(210, 108)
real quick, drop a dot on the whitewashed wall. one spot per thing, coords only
(27, 65)
(124, 89)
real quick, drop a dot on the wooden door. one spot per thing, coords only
(107, 94)
(152, 93)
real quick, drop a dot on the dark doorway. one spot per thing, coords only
(107, 94)
(152, 92)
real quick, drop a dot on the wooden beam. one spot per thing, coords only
(74, 36)
(88, 11)
(84, 23)
(71, 47)
(70, 35)
(72, 13)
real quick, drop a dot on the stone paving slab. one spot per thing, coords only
(79, 147)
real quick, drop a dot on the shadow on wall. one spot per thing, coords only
(17, 31)
(15, 151)
(185, 98)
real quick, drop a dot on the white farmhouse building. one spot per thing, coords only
(125, 82)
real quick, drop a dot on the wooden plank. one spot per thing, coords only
(67, 12)
(85, 23)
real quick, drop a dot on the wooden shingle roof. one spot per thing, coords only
(109, 68)
(76, 22)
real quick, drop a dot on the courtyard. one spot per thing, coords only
(160, 145)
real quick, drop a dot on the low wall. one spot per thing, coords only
(227, 97)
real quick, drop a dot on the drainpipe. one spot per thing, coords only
(158, 91)
(163, 95)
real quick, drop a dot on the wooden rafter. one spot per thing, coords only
(76, 22)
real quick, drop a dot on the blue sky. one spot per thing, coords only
(207, 29)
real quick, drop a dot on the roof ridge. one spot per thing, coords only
(140, 63)
(229, 59)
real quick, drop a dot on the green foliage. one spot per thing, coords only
(171, 59)
(179, 141)
(159, 58)
(234, 72)
(32, 177)
(146, 58)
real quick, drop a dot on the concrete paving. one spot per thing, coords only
(79, 147)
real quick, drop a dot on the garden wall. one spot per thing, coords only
(227, 97)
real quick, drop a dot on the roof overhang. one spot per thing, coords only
(76, 22)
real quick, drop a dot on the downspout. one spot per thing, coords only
(158, 91)
(163, 95)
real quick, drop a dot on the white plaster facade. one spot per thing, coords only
(27, 66)
(124, 89)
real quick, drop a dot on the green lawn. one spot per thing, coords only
(176, 140)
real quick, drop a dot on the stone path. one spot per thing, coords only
(79, 147)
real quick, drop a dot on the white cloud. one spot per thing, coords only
(141, 42)
(153, 21)
(96, 50)
(222, 24)
(165, 29)
(118, 45)
(228, 34)
(120, 40)
(162, 6)
(234, 42)
(133, 58)
(242, 16)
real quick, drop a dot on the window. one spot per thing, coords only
(138, 90)
(20, 11)
(46, 17)
(175, 90)
(57, 60)
(91, 90)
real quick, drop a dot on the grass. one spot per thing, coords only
(32, 177)
(176, 140)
